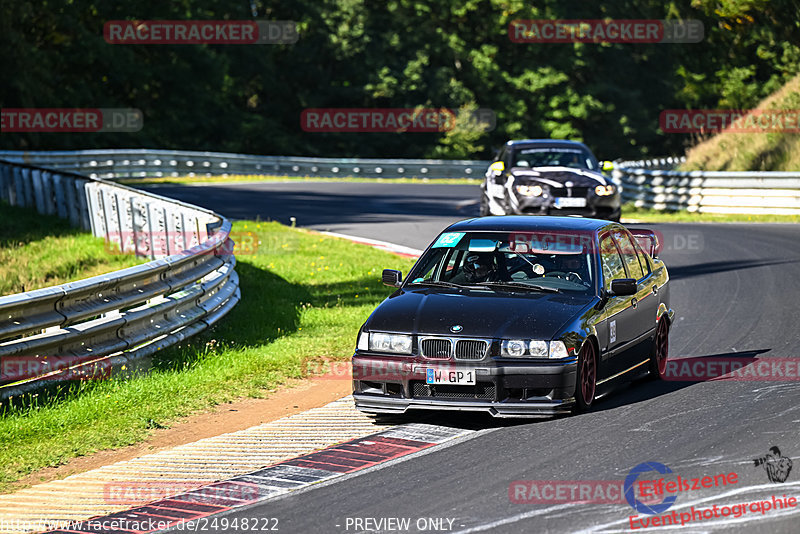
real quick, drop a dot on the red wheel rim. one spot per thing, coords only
(662, 347)
(588, 374)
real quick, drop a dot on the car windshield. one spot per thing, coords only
(553, 157)
(503, 261)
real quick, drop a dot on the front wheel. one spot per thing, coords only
(660, 352)
(586, 379)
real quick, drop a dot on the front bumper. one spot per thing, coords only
(394, 385)
(609, 207)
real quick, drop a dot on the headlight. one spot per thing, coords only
(538, 349)
(397, 343)
(530, 190)
(520, 348)
(514, 347)
(363, 341)
(558, 349)
(604, 190)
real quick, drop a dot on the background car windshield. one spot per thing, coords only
(552, 157)
(554, 260)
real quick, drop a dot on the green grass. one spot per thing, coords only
(630, 212)
(304, 297)
(764, 151)
(38, 251)
(184, 180)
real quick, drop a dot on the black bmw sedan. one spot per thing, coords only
(517, 316)
(548, 177)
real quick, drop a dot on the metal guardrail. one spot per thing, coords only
(652, 184)
(647, 183)
(146, 163)
(90, 326)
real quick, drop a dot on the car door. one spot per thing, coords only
(647, 299)
(644, 304)
(618, 312)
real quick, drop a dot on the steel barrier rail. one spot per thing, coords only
(646, 183)
(88, 327)
(141, 163)
(651, 184)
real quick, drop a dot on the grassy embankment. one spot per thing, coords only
(304, 297)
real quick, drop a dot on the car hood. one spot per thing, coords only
(557, 176)
(480, 313)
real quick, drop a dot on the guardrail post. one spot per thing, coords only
(38, 190)
(62, 209)
(5, 183)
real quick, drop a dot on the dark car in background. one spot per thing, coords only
(548, 177)
(516, 316)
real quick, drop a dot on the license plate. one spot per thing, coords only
(463, 377)
(570, 202)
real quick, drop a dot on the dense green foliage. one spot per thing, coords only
(394, 53)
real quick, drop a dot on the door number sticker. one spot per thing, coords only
(613, 331)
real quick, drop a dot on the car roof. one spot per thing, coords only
(530, 223)
(546, 143)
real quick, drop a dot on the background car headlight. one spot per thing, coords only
(530, 190)
(397, 343)
(558, 350)
(604, 190)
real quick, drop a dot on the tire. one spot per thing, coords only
(484, 209)
(586, 378)
(660, 352)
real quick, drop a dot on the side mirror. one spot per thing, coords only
(607, 166)
(497, 167)
(622, 287)
(391, 277)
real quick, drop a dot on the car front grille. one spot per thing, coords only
(441, 348)
(481, 390)
(434, 348)
(471, 349)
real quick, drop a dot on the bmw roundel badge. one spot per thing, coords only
(456, 328)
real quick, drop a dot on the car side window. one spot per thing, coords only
(629, 255)
(642, 258)
(611, 261)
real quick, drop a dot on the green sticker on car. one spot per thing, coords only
(448, 240)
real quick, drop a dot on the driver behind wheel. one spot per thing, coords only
(479, 267)
(572, 266)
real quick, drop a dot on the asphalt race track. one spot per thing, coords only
(735, 290)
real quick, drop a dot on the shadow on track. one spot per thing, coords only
(639, 389)
(712, 267)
